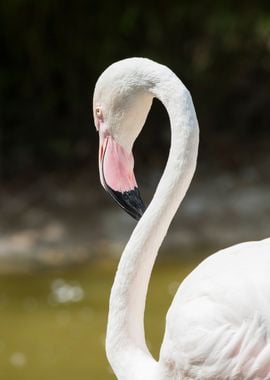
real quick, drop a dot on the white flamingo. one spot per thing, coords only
(218, 326)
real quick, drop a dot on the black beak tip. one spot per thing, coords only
(130, 201)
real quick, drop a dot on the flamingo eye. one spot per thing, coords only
(99, 113)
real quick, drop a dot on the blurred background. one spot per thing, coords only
(60, 234)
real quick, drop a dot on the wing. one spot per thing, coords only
(218, 326)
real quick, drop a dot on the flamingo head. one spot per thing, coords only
(120, 106)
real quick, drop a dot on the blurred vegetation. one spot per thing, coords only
(53, 51)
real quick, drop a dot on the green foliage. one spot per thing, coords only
(53, 51)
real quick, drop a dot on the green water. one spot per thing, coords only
(52, 325)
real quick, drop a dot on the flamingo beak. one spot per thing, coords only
(117, 177)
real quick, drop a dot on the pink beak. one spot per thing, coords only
(117, 177)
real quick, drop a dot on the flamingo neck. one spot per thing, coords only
(125, 342)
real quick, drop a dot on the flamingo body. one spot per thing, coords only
(218, 326)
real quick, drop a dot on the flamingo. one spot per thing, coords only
(218, 325)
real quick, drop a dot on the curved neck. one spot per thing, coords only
(125, 341)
